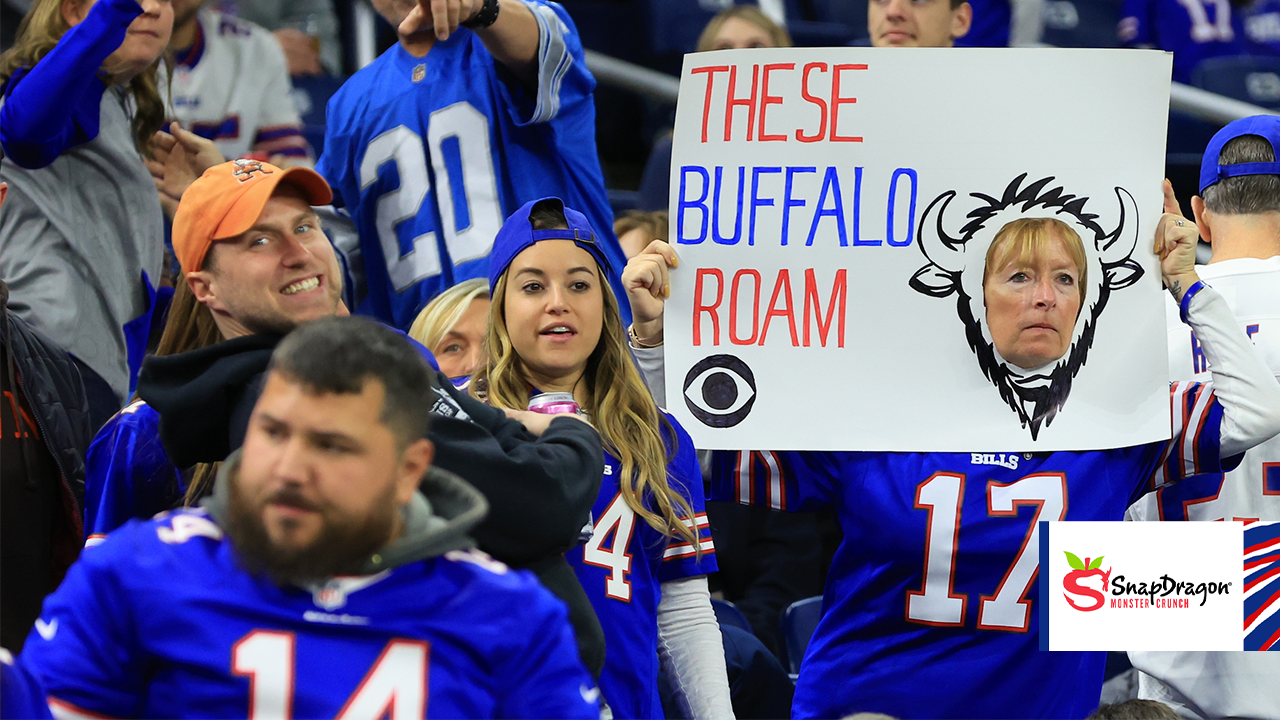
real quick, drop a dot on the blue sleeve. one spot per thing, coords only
(334, 163)
(564, 83)
(21, 695)
(56, 104)
(84, 645)
(776, 480)
(1136, 23)
(680, 559)
(127, 472)
(545, 679)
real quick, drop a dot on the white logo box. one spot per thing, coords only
(1169, 586)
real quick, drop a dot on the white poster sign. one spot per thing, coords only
(833, 208)
(1142, 586)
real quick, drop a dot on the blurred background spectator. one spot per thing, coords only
(306, 29)
(230, 84)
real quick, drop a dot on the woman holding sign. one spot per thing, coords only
(930, 607)
(556, 344)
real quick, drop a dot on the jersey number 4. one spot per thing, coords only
(936, 602)
(397, 682)
(614, 526)
(466, 192)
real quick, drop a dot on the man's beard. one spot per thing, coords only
(341, 547)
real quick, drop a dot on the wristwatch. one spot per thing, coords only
(487, 16)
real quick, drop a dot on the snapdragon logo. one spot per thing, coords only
(1073, 583)
(1087, 587)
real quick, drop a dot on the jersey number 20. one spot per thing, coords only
(397, 682)
(466, 191)
(936, 602)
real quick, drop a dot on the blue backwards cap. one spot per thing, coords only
(1265, 126)
(517, 234)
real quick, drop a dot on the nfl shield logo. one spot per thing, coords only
(330, 596)
(419, 72)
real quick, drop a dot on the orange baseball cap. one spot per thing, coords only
(226, 201)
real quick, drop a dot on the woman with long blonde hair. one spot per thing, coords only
(82, 237)
(556, 336)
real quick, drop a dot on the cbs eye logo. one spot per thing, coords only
(720, 391)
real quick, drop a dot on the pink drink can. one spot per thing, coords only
(552, 403)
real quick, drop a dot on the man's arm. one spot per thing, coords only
(512, 39)
(540, 489)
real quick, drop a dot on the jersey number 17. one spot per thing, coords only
(942, 495)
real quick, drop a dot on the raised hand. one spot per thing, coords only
(441, 16)
(1175, 245)
(647, 279)
(179, 158)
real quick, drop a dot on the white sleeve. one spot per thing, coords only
(1028, 22)
(1244, 385)
(691, 649)
(654, 372)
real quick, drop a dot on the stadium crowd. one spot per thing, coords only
(364, 417)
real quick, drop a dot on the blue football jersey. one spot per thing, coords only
(127, 472)
(21, 695)
(430, 155)
(622, 569)
(929, 609)
(1193, 30)
(161, 621)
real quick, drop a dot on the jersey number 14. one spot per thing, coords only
(396, 685)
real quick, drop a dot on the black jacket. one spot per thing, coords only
(540, 489)
(45, 477)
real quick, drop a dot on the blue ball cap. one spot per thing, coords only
(1265, 126)
(517, 234)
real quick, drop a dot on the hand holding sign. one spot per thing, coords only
(647, 278)
(1175, 245)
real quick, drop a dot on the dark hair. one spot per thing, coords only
(548, 215)
(1245, 194)
(339, 354)
(1135, 710)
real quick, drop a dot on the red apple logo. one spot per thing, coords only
(1088, 568)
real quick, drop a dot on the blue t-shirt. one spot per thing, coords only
(930, 606)
(622, 569)
(430, 155)
(160, 620)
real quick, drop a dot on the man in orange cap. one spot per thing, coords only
(252, 251)
(251, 247)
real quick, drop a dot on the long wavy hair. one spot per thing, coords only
(190, 326)
(617, 402)
(41, 30)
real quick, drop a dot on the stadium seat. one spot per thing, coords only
(798, 622)
(311, 94)
(1081, 23)
(1251, 78)
(728, 614)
